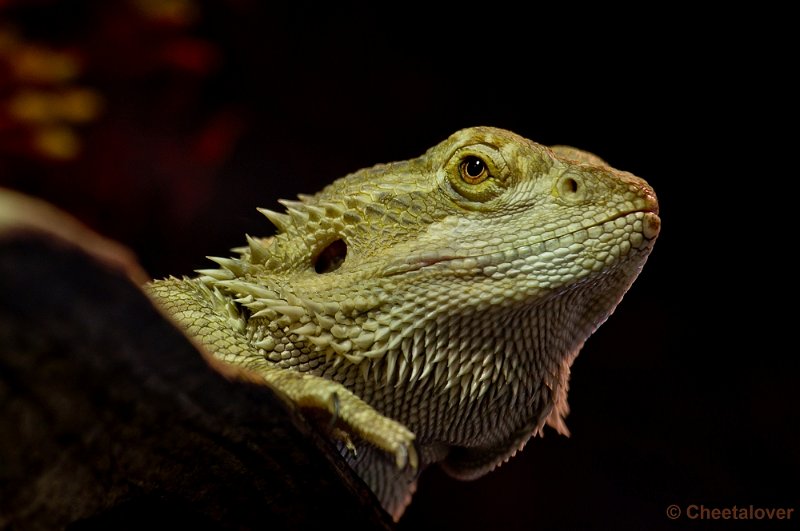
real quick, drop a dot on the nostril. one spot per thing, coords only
(569, 187)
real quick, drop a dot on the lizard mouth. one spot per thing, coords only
(650, 228)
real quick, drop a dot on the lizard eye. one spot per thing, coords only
(473, 170)
(475, 173)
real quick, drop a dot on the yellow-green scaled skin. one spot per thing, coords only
(447, 332)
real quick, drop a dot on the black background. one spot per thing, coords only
(687, 394)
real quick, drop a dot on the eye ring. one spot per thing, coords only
(473, 170)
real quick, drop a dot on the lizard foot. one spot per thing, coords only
(347, 410)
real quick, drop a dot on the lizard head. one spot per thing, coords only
(512, 210)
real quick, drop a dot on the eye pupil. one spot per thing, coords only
(473, 170)
(474, 167)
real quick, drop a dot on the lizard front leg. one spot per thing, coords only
(216, 323)
(308, 391)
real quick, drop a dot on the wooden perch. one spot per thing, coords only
(111, 418)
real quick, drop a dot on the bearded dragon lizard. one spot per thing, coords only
(431, 307)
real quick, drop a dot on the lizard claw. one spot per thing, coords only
(406, 455)
(344, 437)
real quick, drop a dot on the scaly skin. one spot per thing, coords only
(433, 306)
